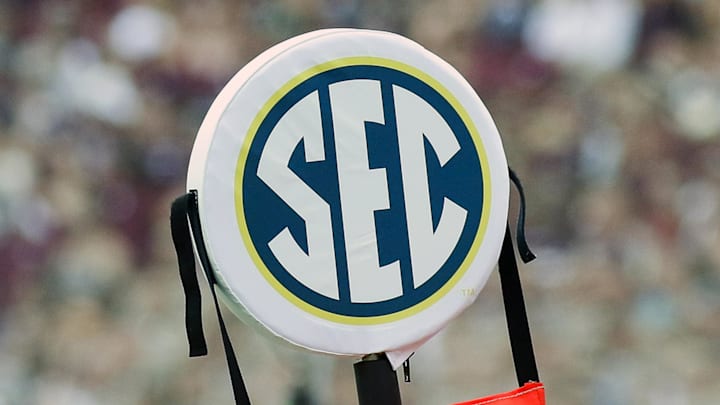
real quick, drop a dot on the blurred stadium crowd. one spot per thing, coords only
(609, 110)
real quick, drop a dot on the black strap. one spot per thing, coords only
(523, 249)
(515, 313)
(186, 263)
(183, 209)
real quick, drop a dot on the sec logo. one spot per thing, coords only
(361, 189)
(352, 189)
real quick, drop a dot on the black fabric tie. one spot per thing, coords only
(515, 313)
(185, 226)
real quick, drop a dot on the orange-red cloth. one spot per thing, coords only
(532, 393)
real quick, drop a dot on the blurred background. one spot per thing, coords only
(609, 110)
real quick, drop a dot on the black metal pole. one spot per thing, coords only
(376, 381)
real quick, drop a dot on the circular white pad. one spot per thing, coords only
(353, 191)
